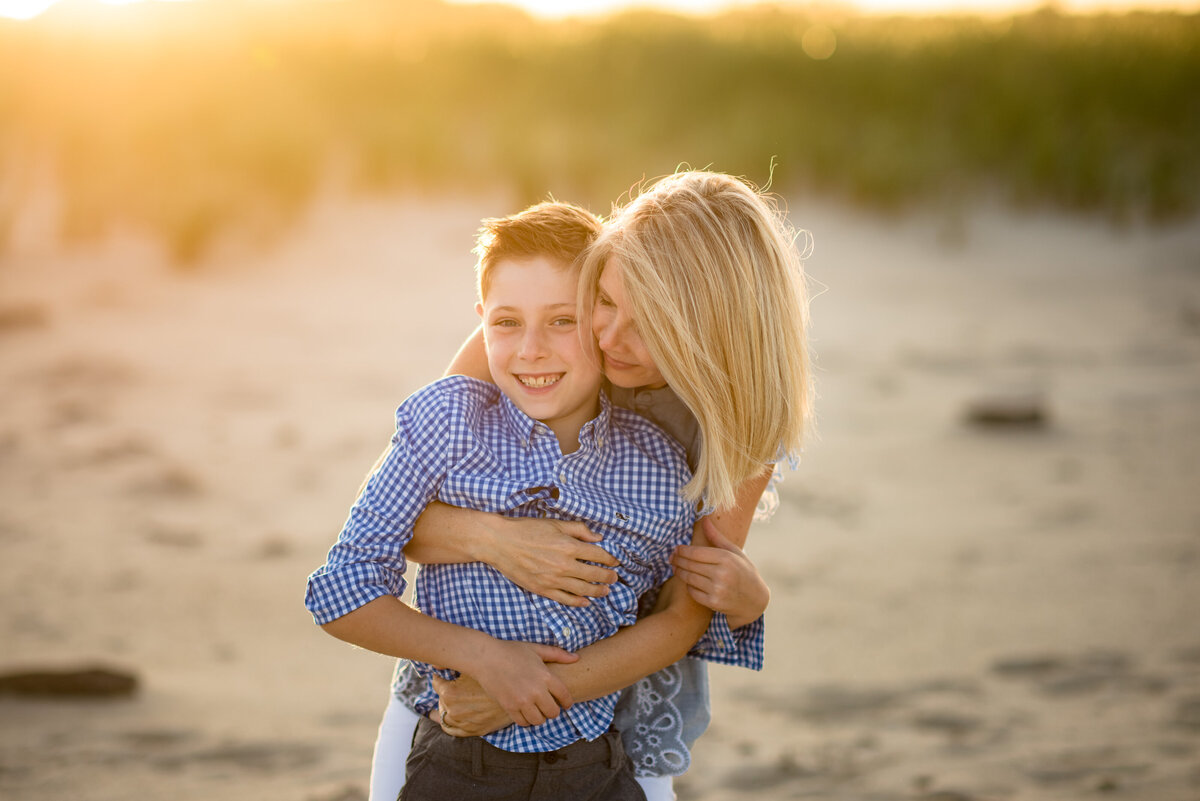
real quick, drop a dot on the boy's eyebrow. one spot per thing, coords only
(563, 305)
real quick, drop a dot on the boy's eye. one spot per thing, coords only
(564, 321)
(506, 322)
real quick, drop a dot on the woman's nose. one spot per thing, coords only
(606, 332)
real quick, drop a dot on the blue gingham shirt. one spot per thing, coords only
(461, 441)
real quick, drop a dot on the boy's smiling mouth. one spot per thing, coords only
(539, 381)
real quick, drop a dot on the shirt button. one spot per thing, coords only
(566, 632)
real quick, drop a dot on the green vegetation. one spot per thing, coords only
(190, 118)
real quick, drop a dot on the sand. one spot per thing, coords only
(959, 611)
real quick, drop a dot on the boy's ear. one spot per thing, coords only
(479, 309)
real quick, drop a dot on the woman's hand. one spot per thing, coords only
(549, 557)
(516, 676)
(465, 710)
(722, 578)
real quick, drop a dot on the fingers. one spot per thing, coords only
(579, 531)
(594, 583)
(699, 582)
(545, 710)
(588, 552)
(551, 653)
(603, 557)
(538, 711)
(583, 571)
(565, 598)
(703, 598)
(704, 560)
(576, 592)
(455, 731)
(549, 704)
(464, 730)
(561, 696)
(584, 579)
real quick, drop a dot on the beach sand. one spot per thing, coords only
(961, 609)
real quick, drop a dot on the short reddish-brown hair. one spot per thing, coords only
(558, 231)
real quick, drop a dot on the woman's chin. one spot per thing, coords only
(617, 380)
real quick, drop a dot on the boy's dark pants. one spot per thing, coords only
(441, 767)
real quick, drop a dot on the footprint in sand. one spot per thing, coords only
(1089, 672)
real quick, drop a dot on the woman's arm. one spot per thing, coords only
(471, 359)
(547, 557)
(654, 642)
(550, 557)
(721, 576)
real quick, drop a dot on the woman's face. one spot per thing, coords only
(627, 363)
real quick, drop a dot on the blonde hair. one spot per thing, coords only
(559, 231)
(715, 284)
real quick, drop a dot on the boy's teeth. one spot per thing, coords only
(538, 380)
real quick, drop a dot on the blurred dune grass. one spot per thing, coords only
(191, 120)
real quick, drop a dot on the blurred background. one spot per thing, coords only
(189, 119)
(235, 234)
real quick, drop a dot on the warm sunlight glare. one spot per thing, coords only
(23, 9)
(567, 8)
(28, 9)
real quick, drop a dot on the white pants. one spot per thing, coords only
(395, 741)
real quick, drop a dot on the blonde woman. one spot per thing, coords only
(695, 294)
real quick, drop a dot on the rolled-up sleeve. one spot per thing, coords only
(740, 647)
(367, 561)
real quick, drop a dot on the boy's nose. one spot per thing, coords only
(533, 344)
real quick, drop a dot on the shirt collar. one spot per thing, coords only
(594, 431)
(597, 429)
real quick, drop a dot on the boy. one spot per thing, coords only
(542, 441)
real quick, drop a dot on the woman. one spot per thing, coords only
(695, 294)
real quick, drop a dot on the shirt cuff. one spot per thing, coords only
(741, 647)
(338, 590)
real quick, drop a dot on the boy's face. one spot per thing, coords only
(534, 346)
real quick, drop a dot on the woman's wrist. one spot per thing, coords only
(753, 610)
(736, 623)
(475, 652)
(488, 543)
